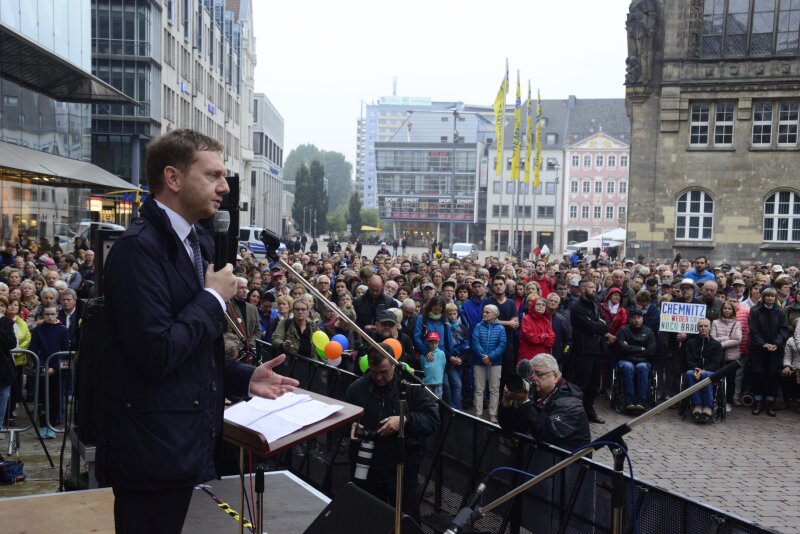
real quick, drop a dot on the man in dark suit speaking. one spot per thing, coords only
(168, 375)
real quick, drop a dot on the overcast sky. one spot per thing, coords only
(317, 60)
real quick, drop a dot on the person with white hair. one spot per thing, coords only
(551, 409)
(489, 343)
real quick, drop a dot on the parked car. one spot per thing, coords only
(465, 250)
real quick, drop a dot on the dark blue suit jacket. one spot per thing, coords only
(168, 375)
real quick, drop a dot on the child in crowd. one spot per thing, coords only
(433, 364)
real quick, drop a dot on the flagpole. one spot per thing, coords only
(501, 155)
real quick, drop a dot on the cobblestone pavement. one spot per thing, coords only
(746, 465)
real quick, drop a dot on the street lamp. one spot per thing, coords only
(555, 208)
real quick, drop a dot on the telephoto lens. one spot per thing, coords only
(364, 459)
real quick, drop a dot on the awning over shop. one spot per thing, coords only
(33, 66)
(28, 163)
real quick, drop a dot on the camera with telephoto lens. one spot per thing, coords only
(364, 458)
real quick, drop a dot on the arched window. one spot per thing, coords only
(782, 217)
(695, 216)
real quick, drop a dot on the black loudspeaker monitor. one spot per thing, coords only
(355, 510)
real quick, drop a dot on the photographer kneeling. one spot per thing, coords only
(552, 412)
(373, 446)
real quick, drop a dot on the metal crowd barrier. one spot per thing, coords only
(466, 448)
(13, 432)
(66, 356)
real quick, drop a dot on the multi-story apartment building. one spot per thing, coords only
(596, 181)
(189, 63)
(264, 201)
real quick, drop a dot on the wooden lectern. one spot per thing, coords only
(255, 442)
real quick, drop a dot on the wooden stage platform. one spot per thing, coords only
(290, 506)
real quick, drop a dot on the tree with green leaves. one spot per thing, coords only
(310, 199)
(354, 215)
(338, 171)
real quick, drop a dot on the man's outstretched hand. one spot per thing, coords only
(269, 384)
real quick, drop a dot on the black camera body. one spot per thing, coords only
(366, 434)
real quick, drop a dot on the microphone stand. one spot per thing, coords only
(468, 516)
(271, 254)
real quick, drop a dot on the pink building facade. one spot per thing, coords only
(595, 187)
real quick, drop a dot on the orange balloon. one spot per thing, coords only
(333, 350)
(396, 347)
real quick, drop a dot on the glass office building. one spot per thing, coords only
(45, 142)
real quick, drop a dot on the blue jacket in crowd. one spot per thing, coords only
(490, 339)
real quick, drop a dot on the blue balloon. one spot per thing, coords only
(342, 340)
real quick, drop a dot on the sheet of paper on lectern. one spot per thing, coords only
(276, 418)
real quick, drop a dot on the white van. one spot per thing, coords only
(465, 250)
(248, 238)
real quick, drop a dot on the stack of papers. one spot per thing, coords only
(276, 418)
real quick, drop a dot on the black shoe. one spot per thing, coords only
(757, 408)
(771, 409)
(594, 418)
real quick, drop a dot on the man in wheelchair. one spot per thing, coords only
(637, 350)
(703, 357)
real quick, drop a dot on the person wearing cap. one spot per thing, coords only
(472, 309)
(738, 290)
(428, 291)
(279, 285)
(387, 327)
(433, 363)
(776, 271)
(636, 344)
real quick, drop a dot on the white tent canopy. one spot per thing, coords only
(611, 238)
(597, 242)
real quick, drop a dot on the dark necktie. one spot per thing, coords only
(198, 259)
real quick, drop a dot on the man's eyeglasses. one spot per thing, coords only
(542, 374)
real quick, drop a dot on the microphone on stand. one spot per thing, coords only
(222, 221)
(466, 516)
(271, 242)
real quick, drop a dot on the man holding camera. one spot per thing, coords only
(551, 412)
(373, 448)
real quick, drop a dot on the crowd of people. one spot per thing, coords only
(483, 318)
(41, 292)
(467, 324)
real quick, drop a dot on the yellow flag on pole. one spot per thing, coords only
(528, 135)
(499, 104)
(538, 158)
(517, 134)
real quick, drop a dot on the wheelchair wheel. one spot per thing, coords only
(653, 389)
(615, 393)
(720, 402)
(684, 406)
